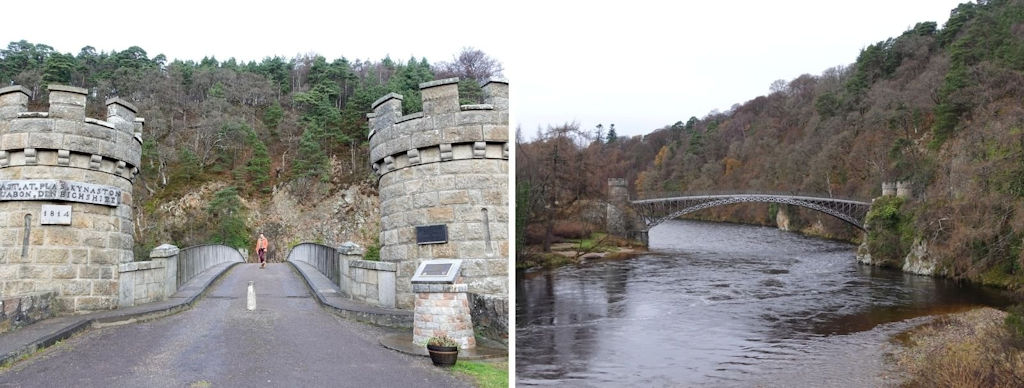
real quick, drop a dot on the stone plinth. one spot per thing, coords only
(442, 309)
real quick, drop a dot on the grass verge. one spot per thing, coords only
(486, 374)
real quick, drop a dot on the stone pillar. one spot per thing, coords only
(386, 110)
(440, 97)
(617, 196)
(496, 93)
(67, 102)
(168, 254)
(121, 113)
(13, 100)
(442, 309)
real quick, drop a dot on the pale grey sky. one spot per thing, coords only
(640, 64)
(645, 64)
(252, 30)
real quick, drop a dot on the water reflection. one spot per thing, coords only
(718, 304)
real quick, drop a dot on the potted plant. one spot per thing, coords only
(443, 350)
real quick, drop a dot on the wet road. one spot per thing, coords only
(287, 341)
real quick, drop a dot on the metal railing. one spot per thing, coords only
(194, 260)
(323, 257)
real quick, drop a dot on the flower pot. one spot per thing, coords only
(443, 355)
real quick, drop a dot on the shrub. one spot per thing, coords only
(442, 340)
(372, 253)
(572, 229)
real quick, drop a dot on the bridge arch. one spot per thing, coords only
(656, 211)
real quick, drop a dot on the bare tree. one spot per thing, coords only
(470, 63)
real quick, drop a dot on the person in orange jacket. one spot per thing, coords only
(261, 250)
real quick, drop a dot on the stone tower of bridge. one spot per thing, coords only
(443, 183)
(65, 197)
(621, 220)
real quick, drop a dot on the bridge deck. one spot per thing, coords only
(288, 341)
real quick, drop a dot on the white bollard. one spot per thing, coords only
(250, 301)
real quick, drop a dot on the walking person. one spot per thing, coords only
(261, 250)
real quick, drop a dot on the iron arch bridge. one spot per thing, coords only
(658, 210)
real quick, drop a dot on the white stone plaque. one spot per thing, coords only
(58, 190)
(55, 215)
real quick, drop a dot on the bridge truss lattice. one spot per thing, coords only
(658, 210)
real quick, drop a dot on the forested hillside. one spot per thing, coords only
(941, 108)
(230, 148)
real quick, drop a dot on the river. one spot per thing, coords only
(718, 304)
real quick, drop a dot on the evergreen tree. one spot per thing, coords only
(612, 136)
(228, 216)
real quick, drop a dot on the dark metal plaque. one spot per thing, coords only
(436, 269)
(432, 234)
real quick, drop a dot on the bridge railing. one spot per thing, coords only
(194, 260)
(666, 195)
(323, 257)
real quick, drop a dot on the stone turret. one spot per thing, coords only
(904, 190)
(444, 168)
(65, 197)
(888, 188)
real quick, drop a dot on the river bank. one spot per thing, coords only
(976, 348)
(598, 246)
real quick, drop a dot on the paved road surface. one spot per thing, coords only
(288, 341)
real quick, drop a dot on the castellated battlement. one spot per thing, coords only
(64, 137)
(447, 168)
(443, 131)
(66, 182)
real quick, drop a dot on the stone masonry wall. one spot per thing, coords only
(442, 310)
(490, 316)
(79, 262)
(370, 282)
(142, 282)
(20, 311)
(445, 165)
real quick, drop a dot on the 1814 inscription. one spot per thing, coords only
(59, 190)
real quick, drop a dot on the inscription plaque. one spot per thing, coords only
(432, 234)
(437, 271)
(55, 215)
(59, 190)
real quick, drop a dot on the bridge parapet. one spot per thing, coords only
(167, 269)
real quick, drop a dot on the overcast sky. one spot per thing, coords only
(638, 64)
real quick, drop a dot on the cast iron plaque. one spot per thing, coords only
(432, 234)
(437, 271)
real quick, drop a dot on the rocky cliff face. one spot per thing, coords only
(287, 216)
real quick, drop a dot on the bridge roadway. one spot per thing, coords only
(288, 341)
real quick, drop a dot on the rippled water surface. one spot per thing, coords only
(721, 304)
